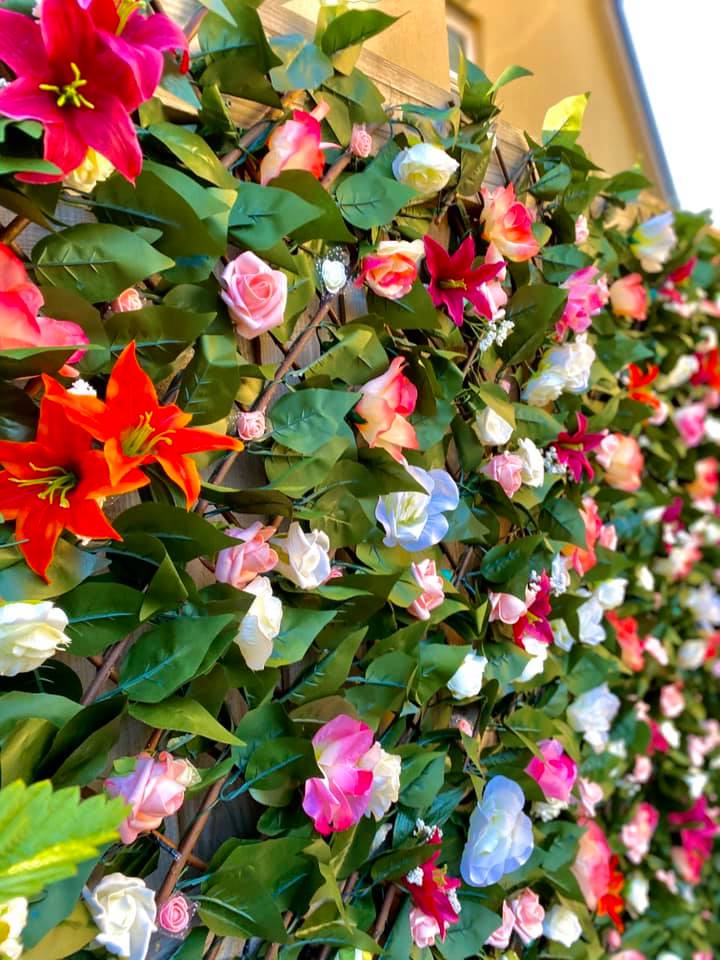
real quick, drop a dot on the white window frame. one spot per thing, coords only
(466, 26)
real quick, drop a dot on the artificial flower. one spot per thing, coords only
(127, 301)
(385, 790)
(454, 280)
(124, 912)
(562, 925)
(582, 231)
(500, 837)
(432, 891)
(528, 916)
(500, 938)
(175, 915)
(554, 771)
(251, 425)
(637, 833)
(260, 625)
(637, 894)
(672, 701)
(432, 586)
(534, 623)
(507, 224)
(571, 449)
(255, 294)
(386, 403)
(638, 382)
(416, 521)
(361, 141)
(653, 241)
(592, 714)
(622, 460)
(93, 170)
(30, 633)
(690, 423)
(506, 607)
(573, 361)
(595, 869)
(467, 680)
(392, 269)
(492, 429)
(629, 297)
(424, 167)
(505, 469)
(252, 556)
(587, 295)
(297, 145)
(533, 465)
(304, 557)
(13, 920)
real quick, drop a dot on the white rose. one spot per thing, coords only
(561, 635)
(652, 242)
(386, 779)
(334, 275)
(671, 733)
(696, 781)
(667, 955)
(547, 810)
(468, 678)
(424, 167)
(93, 170)
(308, 563)
(13, 918)
(636, 893)
(533, 468)
(685, 367)
(691, 654)
(544, 387)
(562, 925)
(592, 714)
(559, 575)
(645, 579)
(416, 521)
(29, 634)
(538, 655)
(574, 360)
(260, 625)
(611, 593)
(590, 622)
(712, 429)
(704, 603)
(492, 429)
(124, 910)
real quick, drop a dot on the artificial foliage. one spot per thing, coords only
(428, 604)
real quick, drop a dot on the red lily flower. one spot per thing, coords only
(135, 429)
(708, 372)
(80, 82)
(637, 382)
(535, 622)
(54, 483)
(432, 891)
(453, 279)
(571, 449)
(611, 904)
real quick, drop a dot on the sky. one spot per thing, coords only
(677, 49)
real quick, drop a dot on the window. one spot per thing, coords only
(462, 33)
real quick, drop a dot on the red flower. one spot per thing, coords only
(535, 621)
(432, 891)
(611, 904)
(631, 644)
(53, 484)
(708, 371)
(135, 429)
(639, 380)
(453, 279)
(81, 81)
(571, 449)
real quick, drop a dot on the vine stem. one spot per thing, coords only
(245, 141)
(13, 229)
(166, 842)
(105, 670)
(384, 914)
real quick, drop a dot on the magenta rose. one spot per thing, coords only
(555, 773)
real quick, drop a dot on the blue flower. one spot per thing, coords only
(500, 838)
(415, 520)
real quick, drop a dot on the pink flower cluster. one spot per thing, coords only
(522, 915)
(555, 772)
(698, 829)
(587, 295)
(637, 833)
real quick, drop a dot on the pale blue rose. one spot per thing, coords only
(500, 838)
(415, 520)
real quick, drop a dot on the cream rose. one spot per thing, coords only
(492, 429)
(308, 560)
(29, 634)
(94, 169)
(533, 468)
(260, 625)
(562, 925)
(124, 910)
(467, 680)
(424, 167)
(386, 779)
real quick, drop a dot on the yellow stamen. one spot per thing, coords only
(59, 482)
(139, 441)
(452, 285)
(71, 91)
(125, 9)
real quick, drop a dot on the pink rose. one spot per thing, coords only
(592, 863)
(623, 462)
(583, 559)
(642, 770)
(296, 145)
(155, 789)
(175, 914)
(506, 608)
(392, 270)
(127, 301)
(423, 928)
(251, 425)
(628, 955)
(582, 231)
(505, 469)
(385, 403)
(629, 297)
(587, 295)
(529, 915)
(608, 537)
(672, 701)
(555, 773)
(361, 142)
(240, 565)
(690, 423)
(590, 795)
(638, 832)
(500, 938)
(508, 224)
(255, 294)
(432, 587)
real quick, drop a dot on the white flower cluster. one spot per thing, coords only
(552, 464)
(497, 332)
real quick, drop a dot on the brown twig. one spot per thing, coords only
(168, 844)
(189, 840)
(97, 662)
(13, 229)
(245, 141)
(154, 740)
(104, 671)
(384, 914)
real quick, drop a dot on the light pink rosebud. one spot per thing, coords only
(255, 294)
(361, 142)
(529, 915)
(690, 423)
(506, 608)
(591, 794)
(637, 833)
(423, 928)
(240, 565)
(629, 297)
(505, 469)
(642, 771)
(608, 537)
(500, 938)
(128, 300)
(251, 425)
(432, 588)
(175, 914)
(672, 701)
(582, 231)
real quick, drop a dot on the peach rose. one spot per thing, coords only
(128, 300)
(529, 915)
(629, 297)
(154, 790)
(386, 402)
(251, 425)
(241, 564)
(508, 224)
(296, 145)
(505, 469)
(392, 270)
(622, 460)
(705, 484)
(256, 295)
(432, 588)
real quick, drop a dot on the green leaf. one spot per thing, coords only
(329, 225)
(80, 751)
(70, 566)
(561, 520)
(261, 500)
(184, 715)
(262, 216)
(185, 535)
(99, 260)
(422, 776)
(194, 152)
(298, 630)
(211, 380)
(33, 853)
(160, 333)
(475, 925)
(353, 28)
(552, 182)
(100, 614)
(416, 311)
(330, 673)
(304, 67)
(563, 122)
(308, 419)
(277, 768)
(507, 560)
(15, 706)
(356, 356)
(73, 933)
(532, 310)
(166, 657)
(370, 200)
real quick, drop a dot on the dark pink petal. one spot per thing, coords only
(69, 35)
(110, 131)
(21, 46)
(437, 259)
(454, 300)
(481, 303)
(23, 100)
(462, 259)
(63, 147)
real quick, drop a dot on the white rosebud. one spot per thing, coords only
(533, 468)
(636, 893)
(645, 579)
(685, 367)
(712, 429)
(538, 655)
(13, 918)
(260, 625)
(562, 925)
(696, 781)
(611, 593)
(334, 275)
(386, 779)
(592, 714)
(492, 429)
(424, 167)
(123, 909)
(308, 560)
(561, 635)
(691, 654)
(29, 634)
(590, 622)
(468, 678)
(544, 387)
